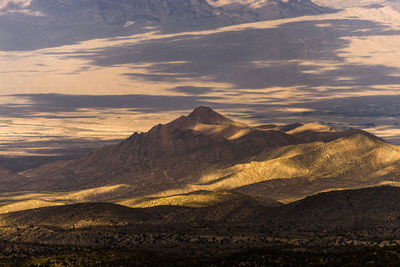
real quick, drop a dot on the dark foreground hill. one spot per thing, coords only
(336, 227)
(360, 210)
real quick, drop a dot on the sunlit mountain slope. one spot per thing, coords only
(206, 151)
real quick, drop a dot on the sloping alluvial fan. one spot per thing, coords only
(208, 152)
(35, 24)
(198, 11)
(168, 11)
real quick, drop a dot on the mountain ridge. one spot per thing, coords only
(208, 151)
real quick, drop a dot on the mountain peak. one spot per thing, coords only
(206, 115)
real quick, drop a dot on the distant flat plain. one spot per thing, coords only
(341, 68)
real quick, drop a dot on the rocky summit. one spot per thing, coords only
(208, 151)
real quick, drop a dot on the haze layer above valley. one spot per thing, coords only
(80, 76)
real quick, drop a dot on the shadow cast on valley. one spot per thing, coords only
(361, 111)
(264, 63)
(40, 105)
(49, 23)
(257, 58)
(268, 61)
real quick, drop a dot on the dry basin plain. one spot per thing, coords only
(199, 133)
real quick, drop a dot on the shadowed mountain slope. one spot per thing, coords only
(207, 151)
(348, 209)
(177, 152)
(8, 179)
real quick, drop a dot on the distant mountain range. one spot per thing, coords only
(206, 151)
(42, 23)
(165, 11)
